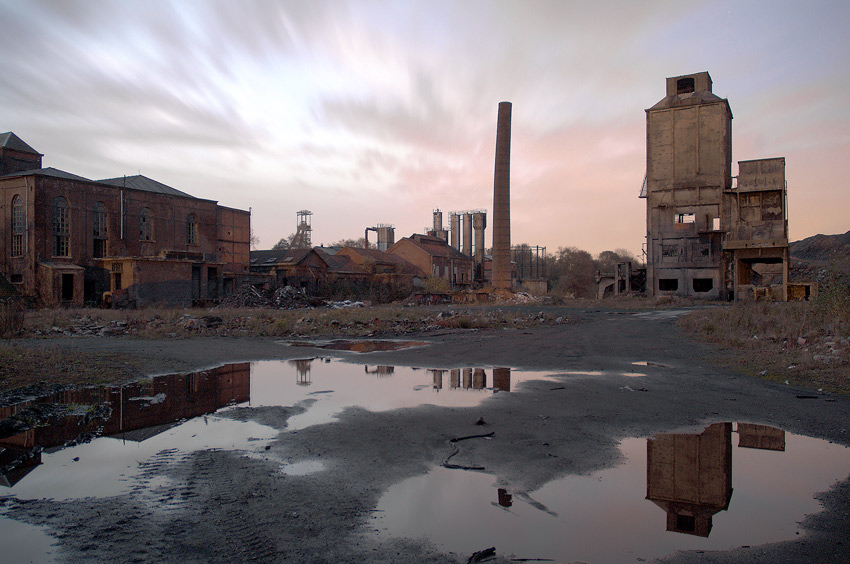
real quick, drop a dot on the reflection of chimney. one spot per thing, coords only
(479, 379)
(502, 201)
(502, 379)
(454, 378)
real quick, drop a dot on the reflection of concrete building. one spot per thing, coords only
(761, 437)
(302, 370)
(69, 240)
(380, 370)
(707, 237)
(690, 477)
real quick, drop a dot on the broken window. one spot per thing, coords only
(685, 85)
(192, 229)
(61, 228)
(669, 251)
(686, 218)
(17, 227)
(703, 284)
(145, 225)
(715, 224)
(99, 230)
(668, 284)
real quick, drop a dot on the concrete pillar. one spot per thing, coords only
(467, 234)
(454, 222)
(502, 201)
(479, 223)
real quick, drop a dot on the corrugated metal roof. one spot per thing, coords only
(49, 171)
(140, 182)
(9, 140)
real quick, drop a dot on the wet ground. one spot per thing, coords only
(610, 440)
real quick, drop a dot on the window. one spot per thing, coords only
(145, 225)
(61, 228)
(686, 218)
(715, 224)
(685, 85)
(99, 230)
(668, 284)
(703, 284)
(17, 227)
(192, 229)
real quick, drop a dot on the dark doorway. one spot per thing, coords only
(67, 287)
(196, 284)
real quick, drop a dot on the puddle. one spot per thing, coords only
(674, 492)
(114, 433)
(364, 346)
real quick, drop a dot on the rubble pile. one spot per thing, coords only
(284, 297)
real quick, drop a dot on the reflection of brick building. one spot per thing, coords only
(148, 405)
(690, 477)
(68, 240)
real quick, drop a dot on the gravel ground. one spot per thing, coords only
(225, 507)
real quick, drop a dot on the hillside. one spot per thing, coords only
(812, 258)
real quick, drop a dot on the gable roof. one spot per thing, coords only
(49, 171)
(383, 257)
(9, 140)
(141, 182)
(284, 256)
(434, 246)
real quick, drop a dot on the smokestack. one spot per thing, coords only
(467, 234)
(438, 221)
(502, 201)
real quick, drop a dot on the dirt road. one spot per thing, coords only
(217, 505)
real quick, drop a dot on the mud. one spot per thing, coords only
(218, 505)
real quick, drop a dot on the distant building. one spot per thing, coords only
(69, 240)
(435, 257)
(708, 237)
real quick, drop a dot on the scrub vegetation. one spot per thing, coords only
(800, 343)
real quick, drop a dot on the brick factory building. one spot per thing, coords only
(68, 240)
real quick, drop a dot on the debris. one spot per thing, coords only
(481, 421)
(482, 555)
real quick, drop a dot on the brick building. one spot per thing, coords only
(434, 257)
(69, 240)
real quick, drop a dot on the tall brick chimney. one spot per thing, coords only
(502, 201)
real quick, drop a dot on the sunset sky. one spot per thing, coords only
(368, 112)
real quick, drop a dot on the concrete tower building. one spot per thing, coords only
(688, 169)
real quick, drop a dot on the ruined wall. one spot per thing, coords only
(689, 153)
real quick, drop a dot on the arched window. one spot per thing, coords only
(61, 228)
(146, 225)
(99, 230)
(17, 227)
(192, 229)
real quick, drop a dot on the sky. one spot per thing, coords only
(378, 112)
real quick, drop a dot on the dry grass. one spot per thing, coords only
(801, 343)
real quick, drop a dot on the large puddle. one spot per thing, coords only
(675, 491)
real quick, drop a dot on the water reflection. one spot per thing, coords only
(136, 412)
(132, 412)
(605, 517)
(690, 477)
